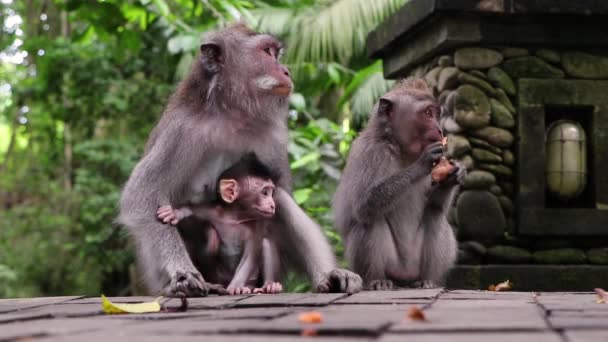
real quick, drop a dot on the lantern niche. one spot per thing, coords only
(566, 159)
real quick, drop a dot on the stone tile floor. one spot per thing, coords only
(455, 315)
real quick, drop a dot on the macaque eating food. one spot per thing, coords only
(390, 213)
(443, 168)
(238, 249)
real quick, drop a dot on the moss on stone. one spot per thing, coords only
(531, 67)
(467, 78)
(501, 79)
(508, 255)
(560, 256)
(485, 156)
(584, 65)
(598, 256)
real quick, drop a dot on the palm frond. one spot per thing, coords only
(273, 20)
(336, 30)
(366, 94)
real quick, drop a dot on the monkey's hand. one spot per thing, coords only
(442, 194)
(340, 280)
(166, 214)
(270, 288)
(456, 176)
(431, 154)
(186, 284)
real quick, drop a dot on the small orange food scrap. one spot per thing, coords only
(602, 296)
(415, 314)
(504, 286)
(311, 317)
(441, 171)
(308, 332)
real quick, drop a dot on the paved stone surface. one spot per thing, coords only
(459, 315)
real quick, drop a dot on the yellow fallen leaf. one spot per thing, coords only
(120, 308)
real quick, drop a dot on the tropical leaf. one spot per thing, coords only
(358, 79)
(363, 91)
(271, 20)
(336, 30)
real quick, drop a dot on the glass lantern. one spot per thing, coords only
(566, 159)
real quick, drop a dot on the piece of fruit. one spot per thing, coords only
(442, 170)
(310, 317)
(415, 314)
(504, 286)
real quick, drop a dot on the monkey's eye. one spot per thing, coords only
(429, 113)
(267, 50)
(265, 191)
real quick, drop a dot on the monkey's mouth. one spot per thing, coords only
(282, 89)
(265, 213)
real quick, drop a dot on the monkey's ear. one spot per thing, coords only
(211, 58)
(385, 107)
(229, 190)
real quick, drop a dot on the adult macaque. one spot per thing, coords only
(391, 214)
(238, 249)
(234, 101)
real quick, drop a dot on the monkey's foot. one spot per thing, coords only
(270, 288)
(186, 284)
(380, 285)
(424, 284)
(340, 280)
(238, 290)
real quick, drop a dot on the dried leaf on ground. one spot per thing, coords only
(504, 286)
(415, 314)
(310, 317)
(602, 296)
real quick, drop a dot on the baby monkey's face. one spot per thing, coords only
(251, 194)
(262, 191)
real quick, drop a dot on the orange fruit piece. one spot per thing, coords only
(311, 317)
(415, 314)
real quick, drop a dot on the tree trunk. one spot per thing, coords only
(67, 132)
(11, 143)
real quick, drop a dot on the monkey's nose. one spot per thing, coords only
(285, 71)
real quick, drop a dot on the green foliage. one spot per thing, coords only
(317, 156)
(93, 80)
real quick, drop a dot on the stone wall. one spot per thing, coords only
(478, 87)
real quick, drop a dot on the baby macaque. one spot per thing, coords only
(238, 250)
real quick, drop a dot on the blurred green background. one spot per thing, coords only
(82, 82)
